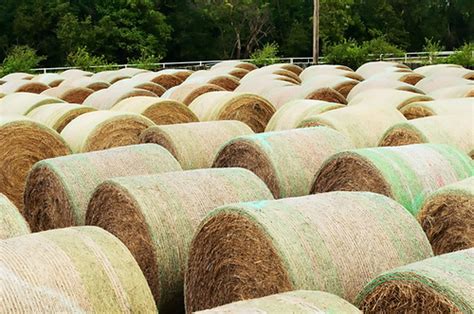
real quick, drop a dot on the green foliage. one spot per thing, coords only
(463, 55)
(433, 49)
(268, 54)
(20, 59)
(347, 53)
(82, 59)
(380, 46)
(146, 61)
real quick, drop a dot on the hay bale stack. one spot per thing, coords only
(373, 68)
(132, 71)
(381, 83)
(411, 78)
(235, 64)
(186, 93)
(57, 116)
(58, 190)
(85, 82)
(317, 242)
(75, 95)
(300, 301)
(27, 86)
(156, 89)
(340, 83)
(110, 76)
(446, 217)
(453, 92)
(107, 98)
(287, 160)
(23, 103)
(167, 80)
(17, 76)
(50, 79)
(441, 284)
(250, 109)
(316, 70)
(164, 211)
(408, 174)
(456, 106)
(102, 129)
(227, 82)
(431, 69)
(12, 223)
(385, 97)
(195, 145)
(82, 269)
(76, 73)
(23, 142)
(433, 83)
(160, 111)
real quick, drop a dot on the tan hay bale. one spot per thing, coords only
(442, 284)
(285, 66)
(286, 160)
(195, 145)
(250, 109)
(98, 130)
(340, 83)
(57, 116)
(167, 80)
(55, 199)
(131, 71)
(107, 98)
(183, 74)
(85, 82)
(235, 72)
(110, 76)
(75, 73)
(23, 103)
(455, 72)
(455, 106)
(333, 66)
(50, 79)
(164, 211)
(23, 142)
(186, 93)
(300, 301)
(317, 70)
(235, 64)
(16, 86)
(453, 92)
(411, 77)
(382, 83)
(317, 242)
(75, 95)
(272, 72)
(408, 174)
(227, 82)
(325, 94)
(433, 83)
(389, 98)
(372, 68)
(156, 89)
(431, 69)
(82, 269)
(12, 223)
(260, 84)
(17, 76)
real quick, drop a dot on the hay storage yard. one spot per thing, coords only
(238, 189)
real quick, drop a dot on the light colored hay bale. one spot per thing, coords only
(373, 68)
(12, 223)
(433, 83)
(385, 97)
(340, 83)
(325, 94)
(76, 73)
(333, 66)
(17, 76)
(182, 74)
(195, 145)
(407, 174)
(285, 66)
(23, 142)
(382, 83)
(156, 217)
(235, 64)
(156, 89)
(23, 103)
(107, 98)
(272, 72)
(456, 106)
(236, 72)
(227, 82)
(453, 92)
(82, 269)
(98, 130)
(250, 109)
(50, 79)
(57, 116)
(411, 77)
(16, 86)
(75, 95)
(441, 284)
(58, 190)
(110, 76)
(186, 93)
(316, 70)
(86, 82)
(319, 242)
(132, 71)
(431, 69)
(261, 84)
(300, 301)
(167, 80)
(287, 160)
(455, 72)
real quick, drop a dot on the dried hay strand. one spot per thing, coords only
(110, 76)
(57, 116)
(290, 115)
(12, 223)
(167, 80)
(156, 217)
(58, 190)
(286, 160)
(441, 284)
(227, 82)
(300, 301)
(160, 111)
(250, 109)
(76, 73)
(132, 71)
(195, 145)
(75, 95)
(85, 82)
(107, 98)
(456, 106)
(340, 83)
(389, 98)
(27, 86)
(80, 269)
(433, 83)
(411, 77)
(235, 64)
(17, 76)
(381, 83)
(186, 93)
(23, 103)
(98, 130)
(50, 79)
(431, 69)
(408, 174)
(317, 70)
(261, 248)
(461, 91)
(24, 142)
(373, 68)
(128, 84)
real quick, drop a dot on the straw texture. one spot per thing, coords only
(12, 223)
(57, 116)
(381, 83)
(456, 106)
(68, 93)
(340, 83)
(23, 103)
(16, 86)
(453, 92)
(50, 79)
(392, 98)
(106, 98)
(186, 93)
(155, 88)
(167, 80)
(86, 82)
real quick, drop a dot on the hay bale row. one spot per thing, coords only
(58, 115)
(12, 223)
(387, 98)
(318, 242)
(23, 103)
(27, 86)
(456, 106)
(106, 98)
(381, 83)
(71, 94)
(186, 93)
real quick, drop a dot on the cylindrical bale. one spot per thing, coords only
(318, 242)
(102, 129)
(23, 103)
(446, 217)
(250, 109)
(285, 66)
(235, 64)
(70, 94)
(26, 86)
(235, 72)
(411, 78)
(167, 80)
(195, 145)
(110, 76)
(86, 82)
(408, 174)
(316, 70)
(385, 97)
(58, 190)
(156, 89)
(433, 83)
(227, 82)
(73, 270)
(156, 217)
(431, 69)
(23, 142)
(160, 111)
(107, 98)
(453, 92)
(300, 301)
(50, 79)
(131, 71)
(186, 93)
(340, 83)
(441, 284)
(364, 125)
(76, 73)
(290, 115)
(286, 160)
(17, 76)
(57, 116)
(379, 84)
(456, 106)
(454, 72)
(324, 94)
(372, 68)
(264, 73)
(12, 223)
(260, 84)
(182, 74)
(278, 96)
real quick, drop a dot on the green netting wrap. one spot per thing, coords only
(12, 223)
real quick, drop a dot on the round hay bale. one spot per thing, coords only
(455, 72)
(23, 103)
(235, 72)
(324, 94)
(227, 82)
(23, 142)
(287, 160)
(131, 71)
(50, 79)
(373, 68)
(411, 78)
(250, 109)
(167, 80)
(82, 269)
(457, 106)
(107, 98)
(460, 91)
(57, 116)
(431, 69)
(160, 111)
(12, 223)
(182, 74)
(187, 93)
(289, 302)
(434, 83)
(261, 84)
(340, 83)
(58, 190)
(235, 64)
(441, 284)
(85, 82)
(156, 89)
(76, 73)
(316, 70)
(17, 76)
(195, 145)
(382, 83)
(285, 66)
(390, 98)
(408, 174)
(98, 130)
(110, 76)
(75, 95)
(267, 247)
(27, 86)
(272, 72)
(156, 217)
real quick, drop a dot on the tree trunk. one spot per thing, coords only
(316, 32)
